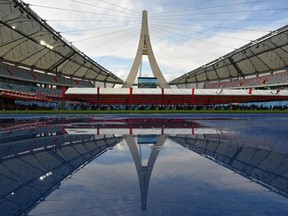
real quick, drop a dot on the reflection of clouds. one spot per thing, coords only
(182, 183)
(98, 189)
(120, 147)
(159, 148)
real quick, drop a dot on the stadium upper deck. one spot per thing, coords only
(27, 40)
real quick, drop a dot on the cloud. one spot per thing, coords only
(184, 34)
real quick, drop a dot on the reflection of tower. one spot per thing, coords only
(145, 48)
(144, 172)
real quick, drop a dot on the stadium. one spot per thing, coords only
(99, 107)
(40, 69)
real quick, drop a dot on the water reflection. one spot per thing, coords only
(263, 166)
(95, 166)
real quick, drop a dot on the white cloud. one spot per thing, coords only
(182, 41)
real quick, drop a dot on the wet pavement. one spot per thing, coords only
(206, 164)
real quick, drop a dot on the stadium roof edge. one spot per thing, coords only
(42, 47)
(245, 61)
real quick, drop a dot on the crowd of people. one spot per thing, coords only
(77, 106)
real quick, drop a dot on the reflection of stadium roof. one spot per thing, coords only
(28, 40)
(265, 167)
(266, 54)
(28, 176)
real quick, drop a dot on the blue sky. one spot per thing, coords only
(185, 34)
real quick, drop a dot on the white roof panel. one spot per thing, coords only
(27, 40)
(266, 54)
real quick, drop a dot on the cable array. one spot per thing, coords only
(195, 28)
(211, 7)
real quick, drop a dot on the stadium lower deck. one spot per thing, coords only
(173, 96)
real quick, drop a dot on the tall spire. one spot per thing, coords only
(145, 48)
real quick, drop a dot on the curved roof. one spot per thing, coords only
(266, 54)
(27, 40)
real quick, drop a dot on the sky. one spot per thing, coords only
(184, 34)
